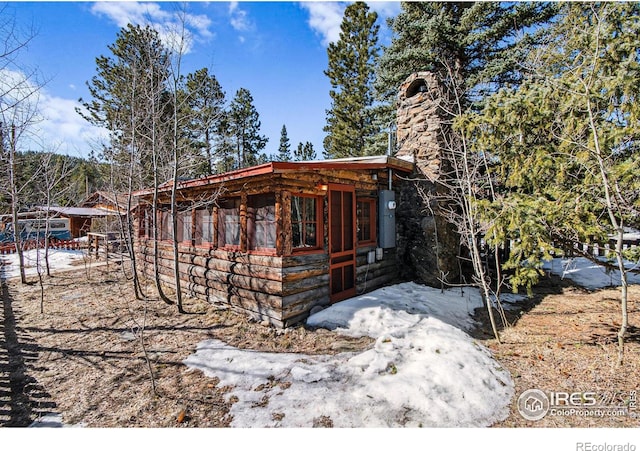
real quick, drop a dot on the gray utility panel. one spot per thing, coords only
(387, 219)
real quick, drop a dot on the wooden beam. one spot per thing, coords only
(287, 240)
(243, 222)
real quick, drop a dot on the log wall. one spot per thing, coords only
(280, 290)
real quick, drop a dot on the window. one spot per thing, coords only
(204, 227)
(145, 230)
(261, 221)
(304, 222)
(166, 226)
(229, 223)
(185, 223)
(366, 216)
(417, 86)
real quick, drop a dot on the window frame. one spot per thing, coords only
(165, 229)
(252, 246)
(372, 221)
(318, 222)
(222, 225)
(145, 224)
(182, 215)
(198, 227)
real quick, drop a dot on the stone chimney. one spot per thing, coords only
(428, 244)
(419, 122)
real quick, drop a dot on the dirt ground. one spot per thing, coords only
(565, 341)
(101, 358)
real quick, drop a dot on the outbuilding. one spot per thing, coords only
(278, 239)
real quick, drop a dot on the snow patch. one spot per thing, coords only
(421, 371)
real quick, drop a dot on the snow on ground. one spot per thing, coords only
(59, 259)
(421, 371)
(588, 274)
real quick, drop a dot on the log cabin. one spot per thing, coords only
(118, 206)
(278, 239)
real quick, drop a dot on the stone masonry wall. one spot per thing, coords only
(419, 122)
(427, 244)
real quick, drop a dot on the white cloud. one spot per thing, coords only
(54, 124)
(238, 18)
(200, 23)
(325, 19)
(385, 9)
(123, 13)
(64, 129)
(166, 23)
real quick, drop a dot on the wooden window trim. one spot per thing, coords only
(251, 225)
(221, 230)
(372, 221)
(319, 246)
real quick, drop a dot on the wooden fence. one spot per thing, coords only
(10, 248)
(600, 249)
(593, 249)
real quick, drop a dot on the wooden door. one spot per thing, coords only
(342, 242)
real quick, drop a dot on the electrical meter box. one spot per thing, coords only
(387, 219)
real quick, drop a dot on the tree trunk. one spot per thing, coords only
(15, 205)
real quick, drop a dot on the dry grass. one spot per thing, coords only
(84, 356)
(567, 342)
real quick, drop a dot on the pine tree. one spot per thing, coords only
(224, 147)
(304, 152)
(566, 143)
(284, 150)
(129, 98)
(206, 101)
(244, 128)
(470, 48)
(350, 120)
(483, 42)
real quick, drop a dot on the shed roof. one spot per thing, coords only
(83, 212)
(117, 201)
(276, 167)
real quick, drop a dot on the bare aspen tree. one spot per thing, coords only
(53, 173)
(185, 95)
(19, 117)
(463, 183)
(19, 89)
(178, 45)
(130, 100)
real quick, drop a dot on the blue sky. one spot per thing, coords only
(276, 50)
